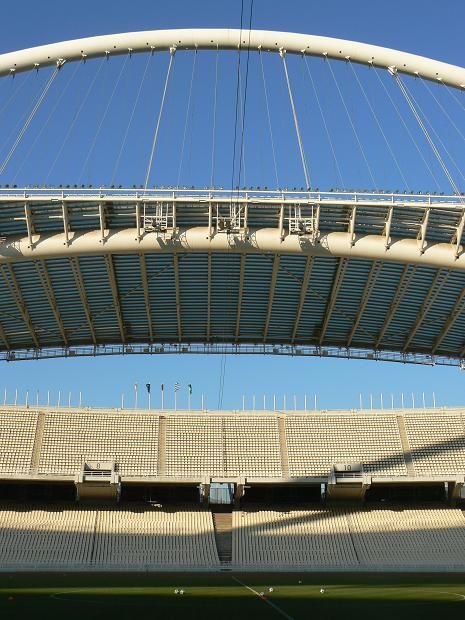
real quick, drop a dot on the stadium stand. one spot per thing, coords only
(70, 438)
(54, 537)
(252, 446)
(194, 446)
(270, 445)
(315, 442)
(17, 435)
(319, 539)
(424, 539)
(155, 537)
(46, 537)
(437, 442)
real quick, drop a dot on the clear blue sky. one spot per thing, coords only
(426, 27)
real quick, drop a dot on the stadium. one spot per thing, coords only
(270, 511)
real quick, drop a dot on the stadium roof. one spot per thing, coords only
(85, 271)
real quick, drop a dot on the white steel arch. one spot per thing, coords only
(231, 39)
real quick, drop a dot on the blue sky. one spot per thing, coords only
(428, 27)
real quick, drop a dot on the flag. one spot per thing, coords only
(148, 386)
(189, 388)
(162, 387)
(176, 387)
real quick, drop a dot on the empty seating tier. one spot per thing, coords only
(437, 442)
(71, 438)
(319, 539)
(17, 434)
(134, 538)
(350, 539)
(316, 442)
(231, 445)
(194, 446)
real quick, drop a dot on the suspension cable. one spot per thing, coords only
(131, 118)
(15, 92)
(29, 118)
(269, 118)
(157, 128)
(454, 97)
(104, 116)
(325, 124)
(443, 110)
(407, 129)
(282, 53)
(423, 127)
(351, 122)
(181, 159)
(47, 120)
(244, 102)
(212, 171)
(242, 99)
(437, 136)
(75, 118)
(375, 116)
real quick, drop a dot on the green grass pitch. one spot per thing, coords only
(220, 596)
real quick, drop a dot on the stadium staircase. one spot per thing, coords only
(283, 447)
(405, 446)
(161, 446)
(40, 426)
(222, 523)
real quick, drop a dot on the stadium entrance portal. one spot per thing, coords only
(222, 493)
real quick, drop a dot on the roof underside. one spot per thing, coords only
(213, 301)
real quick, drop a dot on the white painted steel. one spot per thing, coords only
(230, 39)
(261, 241)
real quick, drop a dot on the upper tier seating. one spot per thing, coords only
(437, 442)
(128, 438)
(17, 433)
(316, 442)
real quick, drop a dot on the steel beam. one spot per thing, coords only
(209, 295)
(274, 278)
(239, 297)
(407, 274)
(15, 291)
(178, 295)
(76, 269)
(302, 296)
(145, 286)
(115, 294)
(47, 286)
(4, 338)
(431, 295)
(368, 289)
(338, 278)
(458, 308)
